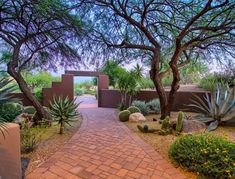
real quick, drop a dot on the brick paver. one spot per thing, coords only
(105, 148)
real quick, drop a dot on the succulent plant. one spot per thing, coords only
(179, 123)
(133, 109)
(124, 115)
(218, 108)
(63, 111)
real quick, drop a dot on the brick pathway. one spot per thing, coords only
(105, 148)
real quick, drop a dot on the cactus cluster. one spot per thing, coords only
(124, 115)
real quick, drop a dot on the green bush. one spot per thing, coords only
(79, 91)
(124, 115)
(143, 107)
(38, 94)
(154, 105)
(9, 111)
(210, 156)
(29, 110)
(133, 109)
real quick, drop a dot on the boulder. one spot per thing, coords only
(190, 126)
(136, 117)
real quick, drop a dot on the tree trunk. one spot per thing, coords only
(42, 113)
(176, 77)
(154, 74)
(61, 128)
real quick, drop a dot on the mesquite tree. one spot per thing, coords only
(36, 33)
(178, 31)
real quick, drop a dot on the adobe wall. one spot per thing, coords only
(111, 98)
(10, 152)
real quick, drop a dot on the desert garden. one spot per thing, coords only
(163, 77)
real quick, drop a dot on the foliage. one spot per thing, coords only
(179, 123)
(124, 115)
(29, 110)
(127, 83)
(210, 81)
(166, 124)
(210, 156)
(39, 80)
(143, 107)
(63, 111)
(79, 91)
(154, 105)
(113, 70)
(121, 107)
(218, 108)
(9, 111)
(133, 109)
(30, 138)
(146, 83)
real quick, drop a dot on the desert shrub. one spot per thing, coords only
(210, 81)
(133, 109)
(124, 115)
(210, 156)
(9, 111)
(121, 107)
(79, 91)
(143, 107)
(30, 138)
(29, 110)
(146, 83)
(154, 105)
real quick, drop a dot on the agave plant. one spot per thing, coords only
(218, 108)
(63, 111)
(5, 89)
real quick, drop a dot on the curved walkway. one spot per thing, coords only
(105, 148)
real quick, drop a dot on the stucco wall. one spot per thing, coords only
(10, 164)
(111, 98)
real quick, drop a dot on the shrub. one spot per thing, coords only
(63, 111)
(179, 123)
(29, 110)
(210, 156)
(79, 91)
(38, 94)
(124, 115)
(30, 138)
(9, 111)
(166, 123)
(121, 106)
(154, 105)
(142, 106)
(133, 109)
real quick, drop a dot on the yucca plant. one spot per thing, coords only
(63, 111)
(218, 108)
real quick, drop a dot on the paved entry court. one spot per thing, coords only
(105, 148)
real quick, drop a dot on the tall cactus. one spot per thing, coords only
(179, 123)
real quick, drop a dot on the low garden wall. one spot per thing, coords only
(10, 152)
(111, 98)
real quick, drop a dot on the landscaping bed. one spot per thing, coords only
(50, 142)
(162, 143)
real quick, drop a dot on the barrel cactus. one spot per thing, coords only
(133, 109)
(124, 115)
(179, 123)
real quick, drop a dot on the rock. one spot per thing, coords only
(136, 117)
(190, 126)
